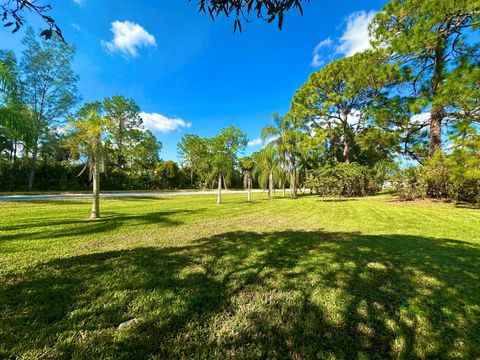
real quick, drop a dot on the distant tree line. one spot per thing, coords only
(404, 113)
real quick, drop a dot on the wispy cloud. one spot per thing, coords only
(255, 142)
(162, 123)
(79, 2)
(128, 37)
(356, 37)
(317, 59)
(76, 27)
(259, 141)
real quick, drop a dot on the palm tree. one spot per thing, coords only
(86, 140)
(284, 134)
(266, 168)
(247, 183)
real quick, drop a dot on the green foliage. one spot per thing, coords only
(304, 279)
(266, 163)
(409, 183)
(342, 179)
(123, 121)
(339, 100)
(455, 176)
(208, 158)
(430, 40)
(168, 175)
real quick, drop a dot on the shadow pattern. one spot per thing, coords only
(285, 294)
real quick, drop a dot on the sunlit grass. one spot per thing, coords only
(289, 278)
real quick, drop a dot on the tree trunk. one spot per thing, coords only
(219, 196)
(437, 113)
(191, 176)
(435, 140)
(33, 164)
(249, 182)
(96, 181)
(224, 183)
(346, 150)
(293, 176)
(15, 151)
(283, 190)
(270, 186)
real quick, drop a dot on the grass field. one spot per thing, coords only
(290, 278)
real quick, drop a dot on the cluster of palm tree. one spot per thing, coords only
(283, 159)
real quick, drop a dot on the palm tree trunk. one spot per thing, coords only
(270, 186)
(96, 181)
(224, 183)
(249, 189)
(283, 183)
(219, 196)
(293, 182)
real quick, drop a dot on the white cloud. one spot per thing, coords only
(78, 2)
(317, 60)
(76, 27)
(159, 122)
(355, 37)
(255, 142)
(420, 118)
(128, 37)
(258, 141)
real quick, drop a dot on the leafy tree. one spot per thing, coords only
(428, 39)
(50, 86)
(223, 150)
(123, 120)
(144, 149)
(16, 127)
(192, 151)
(87, 131)
(168, 174)
(339, 99)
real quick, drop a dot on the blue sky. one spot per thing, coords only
(192, 75)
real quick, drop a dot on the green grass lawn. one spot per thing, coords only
(290, 278)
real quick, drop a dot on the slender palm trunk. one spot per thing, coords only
(270, 186)
(96, 181)
(224, 183)
(249, 182)
(219, 195)
(283, 189)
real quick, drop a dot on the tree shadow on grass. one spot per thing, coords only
(58, 228)
(286, 294)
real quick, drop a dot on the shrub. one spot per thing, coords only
(455, 176)
(409, 183)
(342, 179)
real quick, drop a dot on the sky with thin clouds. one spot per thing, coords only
(190, 74)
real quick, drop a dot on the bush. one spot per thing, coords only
(455, 176)
(342, 180)
(410, 184)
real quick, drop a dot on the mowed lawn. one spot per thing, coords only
(290, 278)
